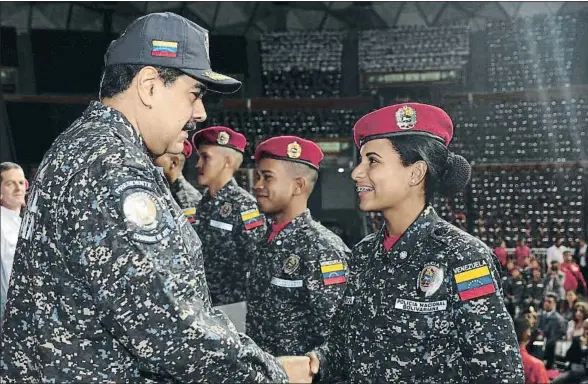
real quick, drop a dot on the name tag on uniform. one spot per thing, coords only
(221, 225)
(420, 306)
(286, 283)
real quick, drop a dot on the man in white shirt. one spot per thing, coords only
(12, 200)
(555, 252)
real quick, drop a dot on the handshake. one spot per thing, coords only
(300, 369)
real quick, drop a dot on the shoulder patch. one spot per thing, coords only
(473, 280)
(190, 214)
(251, 218)
(144, 214)
(333, 272)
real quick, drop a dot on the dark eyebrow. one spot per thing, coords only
(372, 154)
(265, 171)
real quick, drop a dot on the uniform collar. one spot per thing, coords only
(122, 126)
(301, 221)
(223, 192)
(419, 229)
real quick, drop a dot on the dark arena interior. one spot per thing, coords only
(512, 76)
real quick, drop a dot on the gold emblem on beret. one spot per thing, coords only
(406, 117)
(294, 150)
(223, 138)
(215, 76)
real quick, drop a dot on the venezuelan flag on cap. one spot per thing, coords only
(333, 272)
(164, 48)
(474, 280)
(252, 219)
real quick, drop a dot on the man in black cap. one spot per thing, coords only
(108, 281)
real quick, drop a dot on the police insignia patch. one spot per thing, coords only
(223, 138)
(226, 209)
(140, 209)
(291, 264)
(430, 279)
(294, 150)
(406, 118)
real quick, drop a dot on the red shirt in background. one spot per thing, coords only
(521, 253)
(535, 372)
(501, 254)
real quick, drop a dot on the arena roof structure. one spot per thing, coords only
(252, 18)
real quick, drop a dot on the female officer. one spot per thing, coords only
(423, 303)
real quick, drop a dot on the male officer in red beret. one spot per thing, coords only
(298, 277)
(227, 218)
(172, 164)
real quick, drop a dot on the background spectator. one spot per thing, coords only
(522, 251)
(535, 372)
(576, 324)
(552, 326)
(554, 281)
(555, 252)
(12, 200)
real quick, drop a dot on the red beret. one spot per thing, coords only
(187, 149)
(221, 136)
(291, 148)
(403, 119)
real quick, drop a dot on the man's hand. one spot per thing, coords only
(314, 362)
(297, 368)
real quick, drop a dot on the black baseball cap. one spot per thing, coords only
(169, 40)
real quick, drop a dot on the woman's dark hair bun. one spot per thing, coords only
(456, 176)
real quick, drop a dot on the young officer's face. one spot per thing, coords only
(274, 186)
(211, 161)
(381, 180)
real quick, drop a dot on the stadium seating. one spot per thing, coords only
(521, 132)
(535, 204)
(414, 49)
(301, 64)
(530, 52)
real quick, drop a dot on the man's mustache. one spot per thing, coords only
(190, 126)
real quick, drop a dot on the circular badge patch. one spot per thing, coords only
(140, 208)
(226, 209)
(291, 264)
(430, 279)
(223, 138)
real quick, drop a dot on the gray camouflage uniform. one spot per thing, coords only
(101, 292)
(185, 194)
(404, 321)
(290, 303)
(228, 245)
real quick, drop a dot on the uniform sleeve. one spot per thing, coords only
(325, 282)
(486, 333)
(4, 278)
(185, 194)
(332, 353)
(148, 294)
(252, 229)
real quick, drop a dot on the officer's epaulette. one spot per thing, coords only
(454, 237)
